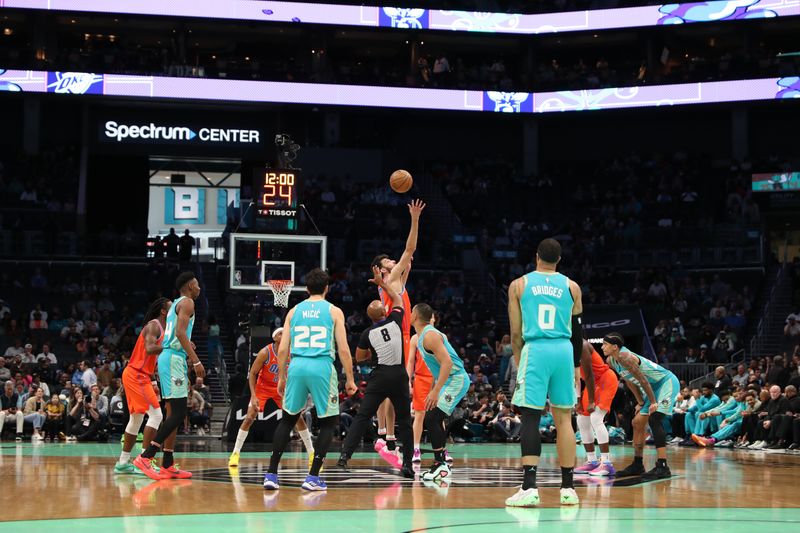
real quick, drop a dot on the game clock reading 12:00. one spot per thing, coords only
(275, 192)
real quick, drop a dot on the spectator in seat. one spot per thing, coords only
(506, 425)
(105, 375)
(778, 374)
(86, 420)
(777, 404)
(684, 402)
(88, 377)
(47, 354)
(113, 389)
(54, 418)
(5, 373)
(37, 381)
(33, 412)
(722, 347)
(37, 322)
(741, 377)
(483, 414)
(197, 414)
(28, 357)
(724, 381)
(791, 331)
(9, 410)
(749, 418)
(205, 392)
(100, 403)
(477, 377)
(780, 434)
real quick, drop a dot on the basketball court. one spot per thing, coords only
(75, 487)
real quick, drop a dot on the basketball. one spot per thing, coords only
(401, 181)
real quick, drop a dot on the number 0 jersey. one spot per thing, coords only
(267, 382)
(546, 306)
(312, 329)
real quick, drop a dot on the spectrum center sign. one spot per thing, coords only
(152, 133)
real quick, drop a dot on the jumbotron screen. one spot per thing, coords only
(776, 182)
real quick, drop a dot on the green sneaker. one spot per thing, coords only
(569, 497)
(126, 468)
(524, 498)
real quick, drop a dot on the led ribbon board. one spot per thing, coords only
(419, 19)
(162, 87)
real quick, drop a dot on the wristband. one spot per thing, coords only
(197, 363)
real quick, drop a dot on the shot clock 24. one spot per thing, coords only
(275, 192)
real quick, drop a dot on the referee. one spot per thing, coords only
(389, 379)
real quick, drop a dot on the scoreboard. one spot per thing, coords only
(275, 192)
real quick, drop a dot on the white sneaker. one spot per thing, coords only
(755, 445)
(569, 497)
(676, 440)
(760, 445)
(37, 438)
(438, 471)
(201, 432)
(524, 498)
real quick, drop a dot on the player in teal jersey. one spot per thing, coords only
(174, 378)
(655, 389)
(544, 309)
(451, 383)
(310, 329)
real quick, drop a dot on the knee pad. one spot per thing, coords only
(585, 427)
(154, 417)
(530, 438)
(657, 428)
(599, 425)
(134, 423)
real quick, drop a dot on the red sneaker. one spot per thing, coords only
(174, 473)
(145, 465)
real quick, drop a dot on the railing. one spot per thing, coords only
(757, 342)
(688, 371)
(222, 375)
(736, 359)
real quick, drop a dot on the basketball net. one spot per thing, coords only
(281, 288)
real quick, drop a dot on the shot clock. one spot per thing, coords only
(275, 192)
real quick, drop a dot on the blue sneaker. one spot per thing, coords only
(271, 481)
(313, 483)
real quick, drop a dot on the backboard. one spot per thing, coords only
(257, 258)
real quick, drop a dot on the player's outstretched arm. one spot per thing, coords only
(515, 318)
(151, 335)
(283, 351)
(435, 345)
(394, 296)
(252, 376)
(185, 312)
(340, 334)
(415, 208)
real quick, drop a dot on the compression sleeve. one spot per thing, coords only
(577, 340)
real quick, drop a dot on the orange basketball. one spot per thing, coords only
(401, 181)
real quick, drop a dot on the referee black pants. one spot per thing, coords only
(384, 382)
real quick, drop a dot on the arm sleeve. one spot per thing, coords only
(577, 340)
(363, 341)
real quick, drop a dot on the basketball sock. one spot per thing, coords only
(240, 438)
(637, 460)
(605, 457)
(438, 456)
(274, 461)
(529, 477)
(391, 442)
(151, 451)
(124, 457)
(661, 462)
(168, 460)
(566, 478)
(316, 465)
(381, 432)
(416, 445)
(305, 435)
(591, 457)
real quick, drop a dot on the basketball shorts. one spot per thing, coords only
(315, 376)
(454, 390)
(264, 395)
(139, 391)
(173, 374)
(605, 388)
(546, 371)
(422, 386)
(666, 392)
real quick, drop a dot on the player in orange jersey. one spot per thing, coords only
(395, 274)
(138, 380)
(592, 410)
(263, 379)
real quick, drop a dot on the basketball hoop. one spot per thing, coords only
(281, 288)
